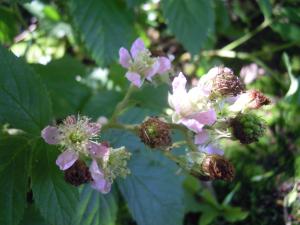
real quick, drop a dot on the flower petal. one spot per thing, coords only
(51, 135)
(137, 46)
(93, 128)
(152, 71)
(66, 159)
(124, 57)
(201, 137)
(134, 78)
(179, 83)
(192, 124)
(211, 149)
(97, 150)
(206, 118)
(164, 64)
(99, 182)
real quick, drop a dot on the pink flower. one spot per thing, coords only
(99, 182)
(140, 64)
(192, 108)
(250, 72)
(211, 149)
(66, 159)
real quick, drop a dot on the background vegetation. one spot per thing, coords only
(68, 64)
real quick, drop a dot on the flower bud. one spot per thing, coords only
(78, 174)
(247, 128)
(217, 167)
(116, 166)
(226, 83)
(155, 133)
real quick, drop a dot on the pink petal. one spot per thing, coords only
(206, 118)
(211, 149)
(99, 182)
(137, 46)
(134, 78)
(164, 65)
(70, 120)
(179, 83)
(97, 150)
(152, 71)
(124, 57)
(201, 137)
(66, 159)
(51, 135)
(93, 128)
(192, 124)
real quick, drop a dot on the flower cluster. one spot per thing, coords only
(77, 138)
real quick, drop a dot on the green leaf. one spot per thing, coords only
(293, 92)
(67, 94)
(208, 217)
(153, 191)
(13, 178)
(55, 199)
(8, 25)
(150, 97)
(190, 21)
(32, 217)
(95, 208)
(134, 3)
(233, 214)
(23, 98)
(105, 27)
(102, 104)
(266, 8)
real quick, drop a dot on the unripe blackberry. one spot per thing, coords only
(78, 174)
(247, 128)
(226, 84)
(155, 133)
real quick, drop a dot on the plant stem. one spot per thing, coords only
(187, 136)
(247, 36)
(122, 104)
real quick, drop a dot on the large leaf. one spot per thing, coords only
(153, 190)
(67, 94)
(102, 104)
(13, 178)
(190, 21)
(32, 217)
(55, 199)
(23, 98)
(105, 26)
(95, 208)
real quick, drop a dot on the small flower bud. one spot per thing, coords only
(226, 83)
(78, 174)
(247, 128)
(155, 133)
(217, 167)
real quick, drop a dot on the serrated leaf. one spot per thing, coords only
(105, 26)
(190, 21)
(14, 153)
(67, 94)
(23, 98)
(95, 208)
(153, 191)
(55, 199)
